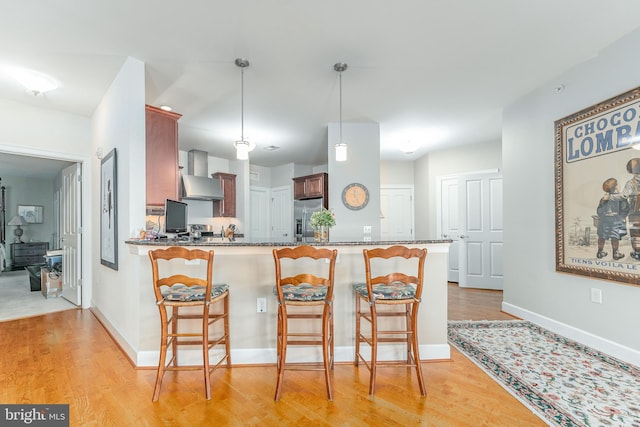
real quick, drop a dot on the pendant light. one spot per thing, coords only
(341, 146)
(242, 146)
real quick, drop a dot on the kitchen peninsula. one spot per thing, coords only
(248, 269)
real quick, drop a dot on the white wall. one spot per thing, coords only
(363, 166)
(119, 122)
(458, 160)
(532, 287)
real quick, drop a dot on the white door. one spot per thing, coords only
(474, 223)
(449, 223)
(481, 239)
(396, 213)
(71, 233)
(259, 214)
(281, 214)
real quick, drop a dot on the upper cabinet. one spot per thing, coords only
(163, 176)
(311, 186)
(227, 206)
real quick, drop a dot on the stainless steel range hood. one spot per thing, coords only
(197, 185)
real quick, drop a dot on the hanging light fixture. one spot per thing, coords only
(341, 146)
(242, 146)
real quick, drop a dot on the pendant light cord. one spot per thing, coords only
(242, 104)
(340, 107)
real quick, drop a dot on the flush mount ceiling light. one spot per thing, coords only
(242, 146)
(409, 147)
(35, 82)
(166, 108)
(341, 146)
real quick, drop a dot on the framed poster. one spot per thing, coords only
(597, 190)
(109, 211)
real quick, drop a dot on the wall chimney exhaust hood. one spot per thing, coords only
(197, 185)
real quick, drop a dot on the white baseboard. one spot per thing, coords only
(611, 348)
(267, 356)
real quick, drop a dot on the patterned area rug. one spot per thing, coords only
(563, 382)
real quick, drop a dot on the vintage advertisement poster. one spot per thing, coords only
(597, 181)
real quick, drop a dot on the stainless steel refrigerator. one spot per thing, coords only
(302, 210)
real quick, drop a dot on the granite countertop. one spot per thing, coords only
(217, 241)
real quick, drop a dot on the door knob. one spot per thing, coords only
(462, 236)
(444, 236)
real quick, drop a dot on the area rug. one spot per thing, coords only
(563, 382)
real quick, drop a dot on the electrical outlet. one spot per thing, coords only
(261, 305)
(367, 229)
(596, 295)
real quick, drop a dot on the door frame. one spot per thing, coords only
(85, 202)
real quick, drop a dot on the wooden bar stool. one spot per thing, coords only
(395, 290)
(300, 293)
(179, 291)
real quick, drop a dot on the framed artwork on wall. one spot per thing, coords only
(109, 211)
(597, 190)
(31, 213)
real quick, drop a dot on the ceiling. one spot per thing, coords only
(436, 73)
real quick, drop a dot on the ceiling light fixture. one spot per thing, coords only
(35, 82)
(409, 147)
(242, 146)
(341, 146)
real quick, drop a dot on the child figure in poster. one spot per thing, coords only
(611, 224)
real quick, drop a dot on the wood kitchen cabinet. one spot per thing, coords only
(311, 186)
(163, 176)
(227, 206)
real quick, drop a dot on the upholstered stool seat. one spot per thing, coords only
(393, 291)
(302, 292)
(182, 292)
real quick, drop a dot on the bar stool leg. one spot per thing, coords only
(326, 327)
(416, 350)
(374, 348)
(357, 358)
(282, 348)
(163, 354)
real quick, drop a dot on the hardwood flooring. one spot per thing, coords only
(68, 357)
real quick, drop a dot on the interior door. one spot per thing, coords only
(481, 242)
(396, 213)
(449, 223)
(471, 215)
(71, 233)
(259, 213)
(281, 214)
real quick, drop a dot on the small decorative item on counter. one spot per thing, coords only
(322, 221)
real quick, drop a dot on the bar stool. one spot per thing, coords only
(302, 293)
(400, 293)
(179, 291)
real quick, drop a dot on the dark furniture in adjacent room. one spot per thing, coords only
(25, 254)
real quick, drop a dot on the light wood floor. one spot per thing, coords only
(68, 357)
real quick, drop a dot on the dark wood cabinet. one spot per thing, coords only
(163, 176)
(311, 186)
(24, 254)
(227, 206)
